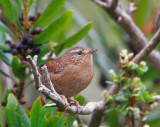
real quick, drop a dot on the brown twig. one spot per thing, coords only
(136, 36)
(25, 15)
(139, 41)
(143, 114)
(133, 120)
(148, 48)
(127, 121)
(80, 122)
(20, 91)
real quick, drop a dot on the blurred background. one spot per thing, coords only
(109, 39)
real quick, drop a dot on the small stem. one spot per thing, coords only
(148, 48)
(25, 15)
(142, 114)
(133, 120)
(127, 121)
(20, 90)
(80, 123)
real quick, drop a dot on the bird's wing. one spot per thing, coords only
(55, 67)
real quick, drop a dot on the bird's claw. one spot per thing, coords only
(76, 103)
(66, 102)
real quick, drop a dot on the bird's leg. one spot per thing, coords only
(66, 102)
(76, 103)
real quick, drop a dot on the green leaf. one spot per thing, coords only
(46, 48)
(52, 9)
(121, 99)
(41, 62)
(110, 82)
(80, 99)
(125, 112)
(56, 121)
(10, 11)
(17, 4)
(54, 28)
(47, 113)
(5, 74)
(74, 38)
(2, 37)
(6, 57)
(30, 3)
(142, 12)
(5, 29)
(71, 119)
(112, 113)
(36, 113)
(126, 92)
(14, 113)
(33, 7)
(7, 92)
(18, 68)
(4, 47)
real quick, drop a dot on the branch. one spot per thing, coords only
(148, 48)
(143, 114)
(54, 96)
(136, 36)
(139, 42)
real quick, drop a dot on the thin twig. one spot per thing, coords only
(138, 39)
(50, 105)
(143, 114)
(148, 48)
(133, 120)
(34, 71)
(80, 122)
(20, 91)
(139, 42)
(48, 81)
(25, 14)
(127, 121)
(114, 4)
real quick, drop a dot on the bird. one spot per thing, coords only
(72, 72)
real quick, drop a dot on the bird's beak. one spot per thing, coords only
(93, 51)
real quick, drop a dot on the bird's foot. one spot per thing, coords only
(76, 103)
(66, 102)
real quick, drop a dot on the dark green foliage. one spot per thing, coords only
(54, 28)
(52, 9)
(18, 68)
(14, 113)
(73, 39)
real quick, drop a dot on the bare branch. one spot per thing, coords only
(114, 4)
(148, 48)
(54, 96)
(48, 81)
(50, 105)
(34, 71)
(139, 42)
(136, 36)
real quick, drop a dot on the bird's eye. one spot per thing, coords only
(79, 52)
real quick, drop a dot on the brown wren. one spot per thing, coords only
(72, 72)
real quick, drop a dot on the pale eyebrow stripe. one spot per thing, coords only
(75, 50)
